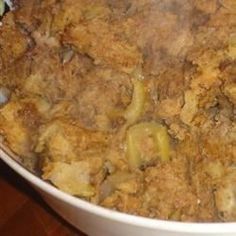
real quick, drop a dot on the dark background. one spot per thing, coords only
(23, 212)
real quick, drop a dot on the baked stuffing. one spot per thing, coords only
(127, 104)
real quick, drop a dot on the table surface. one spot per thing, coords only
(23, 212)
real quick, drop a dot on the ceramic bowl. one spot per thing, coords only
(98, 221)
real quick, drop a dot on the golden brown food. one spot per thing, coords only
(127, 104)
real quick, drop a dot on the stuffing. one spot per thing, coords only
(128, 104)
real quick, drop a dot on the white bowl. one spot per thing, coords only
(97, 221)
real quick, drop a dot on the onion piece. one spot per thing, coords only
(4, 95)
(112, 182)
(137, 134)
(66, 55)
(2, 7)
(135, 108)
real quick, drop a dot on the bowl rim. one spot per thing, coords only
(139, 221)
